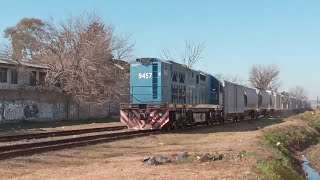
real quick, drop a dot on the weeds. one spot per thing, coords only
(314, 157)
(284, 143)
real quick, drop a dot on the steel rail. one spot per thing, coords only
(59, 133)
(16, 150)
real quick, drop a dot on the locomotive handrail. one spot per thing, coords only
(148, 86)
(143, 101)
(132, 94)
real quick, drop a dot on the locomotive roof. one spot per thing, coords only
(168, 62)
(153, 60)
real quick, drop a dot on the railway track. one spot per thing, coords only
(16, 150)
(59, 133)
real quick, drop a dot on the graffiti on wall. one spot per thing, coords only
(18, 110)
(10, 110)
(59, 110)
(1, 111)
(30, 111)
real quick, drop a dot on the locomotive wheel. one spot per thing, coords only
(221, 120)
(175, 126)
(183, 124)
(206, 123)
(235, 118)
(193, 122)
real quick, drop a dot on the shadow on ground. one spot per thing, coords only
(241, 126)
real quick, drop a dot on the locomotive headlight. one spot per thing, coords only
(160, 114)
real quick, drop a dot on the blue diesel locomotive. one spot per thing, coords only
(169, 95)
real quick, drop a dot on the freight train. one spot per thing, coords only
(169, 95)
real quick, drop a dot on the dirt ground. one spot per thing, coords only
(123, 159)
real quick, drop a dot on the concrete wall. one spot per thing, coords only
(22, 105)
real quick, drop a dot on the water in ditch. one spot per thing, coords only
(311, 174)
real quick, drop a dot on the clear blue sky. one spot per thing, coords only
(237, 33)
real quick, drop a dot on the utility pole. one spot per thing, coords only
(317, 102)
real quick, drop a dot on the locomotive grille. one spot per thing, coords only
(155, 80)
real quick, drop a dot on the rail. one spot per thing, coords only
(59, 133)
(16, 150)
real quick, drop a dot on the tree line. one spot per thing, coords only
(85, 55)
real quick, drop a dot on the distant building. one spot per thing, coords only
(21, 75)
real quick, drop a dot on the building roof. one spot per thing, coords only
(13, 63)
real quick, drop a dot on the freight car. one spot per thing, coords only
(169, 95)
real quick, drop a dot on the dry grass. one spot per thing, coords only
(122, 159)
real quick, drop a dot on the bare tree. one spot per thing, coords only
(166, 54)
(79, 55)
(123, 48)
(190, 55)
(264, 77)
(298, 92)
(6, 52)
